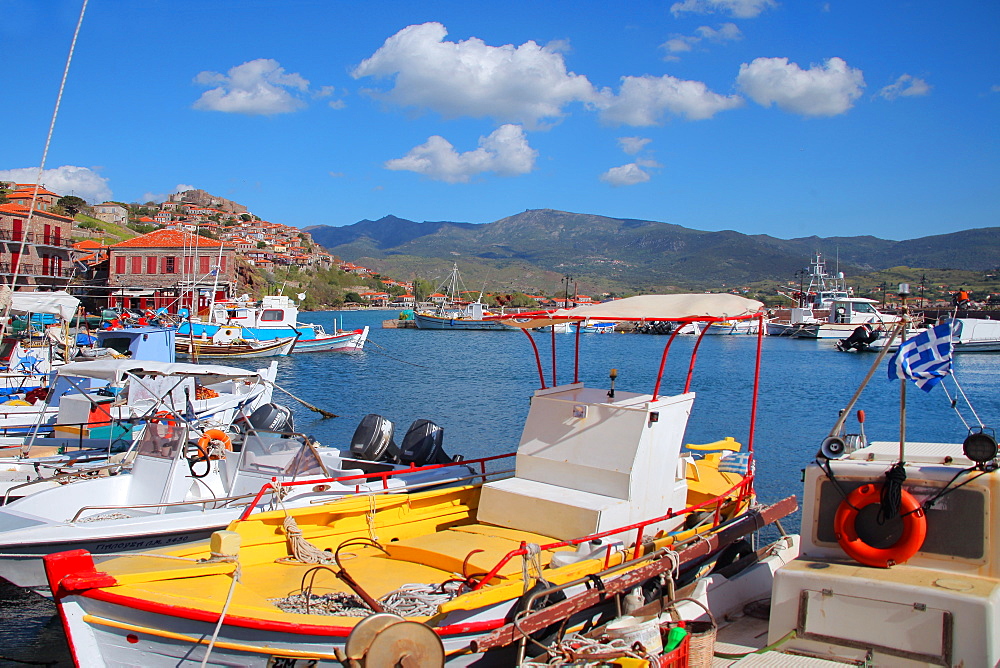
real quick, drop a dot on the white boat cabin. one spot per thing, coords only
(588, 462)
(273, 311)
(856, 311)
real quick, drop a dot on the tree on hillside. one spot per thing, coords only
(261, 244)
(246, 217)
(421, 289)
(71, 205)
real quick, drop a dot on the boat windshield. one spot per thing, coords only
(160, 440)
(271, 455)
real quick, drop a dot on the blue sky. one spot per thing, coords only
(833, 118)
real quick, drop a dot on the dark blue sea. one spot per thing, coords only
(476, 385)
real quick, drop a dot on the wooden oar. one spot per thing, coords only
(316, 409)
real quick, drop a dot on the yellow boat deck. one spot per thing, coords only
(428, 537)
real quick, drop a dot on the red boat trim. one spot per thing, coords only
(192, 614)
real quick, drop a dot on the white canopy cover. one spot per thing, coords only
(59, 303)
(115, 370)
(701, 307)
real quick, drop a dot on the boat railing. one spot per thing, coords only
(226, 500)
(165, 504)
(67, 476)
(743, 491)
(359, 490)
(383, 477)
(77, 429)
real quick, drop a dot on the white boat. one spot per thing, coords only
(976, 335)
(729, 327)
(846, 314)
(899, 559)
(812, 303)
(89, 402)
(273, 317)
(182, 486)
(597, 327)
(576, 514)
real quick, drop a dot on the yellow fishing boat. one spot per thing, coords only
(603, 485)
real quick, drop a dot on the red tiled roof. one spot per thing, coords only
(88, 243)
(169, 239)
(21, 210)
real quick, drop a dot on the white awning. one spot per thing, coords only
(115, 370)
(645, 308)
(59, 303)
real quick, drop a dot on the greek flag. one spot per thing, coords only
(925, 358)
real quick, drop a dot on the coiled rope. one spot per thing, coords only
(892, 493)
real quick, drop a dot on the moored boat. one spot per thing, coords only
(274, 317)
(846, 314)
(575, 507)
(232, 346)
(898, 563)
(186, 480)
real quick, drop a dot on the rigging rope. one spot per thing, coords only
(41, 167)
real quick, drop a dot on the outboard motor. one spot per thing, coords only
(422, 444)
(372, 440)
(860, 338)
(270, 418)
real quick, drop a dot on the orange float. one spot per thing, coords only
(914, 528)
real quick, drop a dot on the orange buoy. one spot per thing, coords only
(914, 528)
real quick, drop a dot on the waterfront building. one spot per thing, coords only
(38, 254)
(170, 269)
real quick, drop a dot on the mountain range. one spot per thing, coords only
(536, 249)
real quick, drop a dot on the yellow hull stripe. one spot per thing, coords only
(240, 647)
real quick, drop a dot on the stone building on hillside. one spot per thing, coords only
(203, 199)
(170, 269)
(111, 212)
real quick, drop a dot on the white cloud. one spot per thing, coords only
(644, 100)
(633, 145)
(680, 43)
(257, 87)
(182, 187)
(905, 86)
(505, 152)
(741, 9)
(822, 90)
(626, 175)
(525, 84)
(66, 180)
(727, 32)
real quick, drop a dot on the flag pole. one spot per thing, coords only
(904, 292)
(842, 417)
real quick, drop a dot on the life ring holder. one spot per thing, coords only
(914, 528)
(205, 442)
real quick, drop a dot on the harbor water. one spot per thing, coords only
(476, 385)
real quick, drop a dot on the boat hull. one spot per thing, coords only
(240, 351)
(344, 342)
(435, 322)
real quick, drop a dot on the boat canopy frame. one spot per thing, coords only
(682, 309)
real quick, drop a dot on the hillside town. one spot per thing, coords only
(192, 249)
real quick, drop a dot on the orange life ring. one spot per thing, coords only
(205, 442)
(914, 528)
(167, 418)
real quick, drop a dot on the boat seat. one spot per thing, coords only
(476, 549)
(561, 512)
